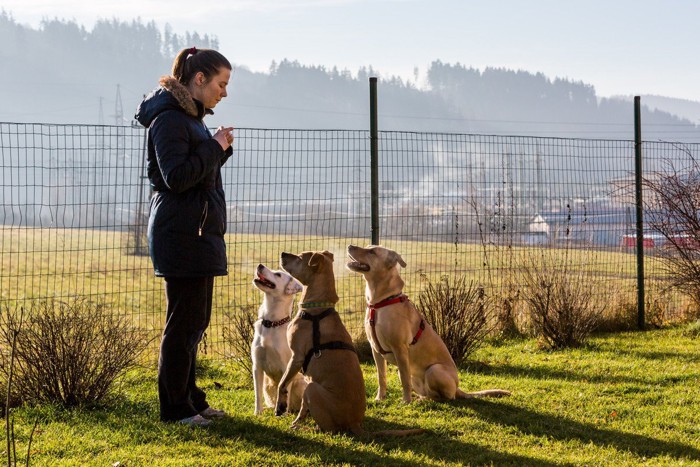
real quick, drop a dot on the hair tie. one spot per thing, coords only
(193, 51)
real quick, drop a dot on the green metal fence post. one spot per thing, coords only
(374, 160)
(640, 211)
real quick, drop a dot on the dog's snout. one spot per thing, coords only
(352, 249)
(260, 267)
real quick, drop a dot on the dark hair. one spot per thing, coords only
(191, 61)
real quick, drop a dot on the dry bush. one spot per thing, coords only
(362, 345)
(620, 315)
(10, 436)
(68, 352)
(672, 204)
(565, 305)
(510, 321)
(693, 330)
(664, 308)
(239, 337)
(459, 313)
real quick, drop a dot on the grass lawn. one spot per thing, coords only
(624, 399)
(62, 263)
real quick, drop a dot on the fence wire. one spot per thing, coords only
(75, 201)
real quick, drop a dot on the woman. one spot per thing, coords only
(188, 218)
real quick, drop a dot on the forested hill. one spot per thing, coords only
(64, 73)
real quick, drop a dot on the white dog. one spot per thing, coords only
(270, 350)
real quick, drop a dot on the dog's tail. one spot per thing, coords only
(485, 393)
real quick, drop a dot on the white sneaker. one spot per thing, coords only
(195, 420)
(212, 413)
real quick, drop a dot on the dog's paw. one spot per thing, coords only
(280, 409)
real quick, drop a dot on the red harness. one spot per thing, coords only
(373, 318)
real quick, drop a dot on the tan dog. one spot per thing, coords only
(335, 397)
(270, 351)
(399, 334)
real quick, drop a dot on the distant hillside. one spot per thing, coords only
(680, 107)
(96, 76)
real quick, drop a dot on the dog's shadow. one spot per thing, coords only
(564, 429)
(545, 373)
(441, 448)
(311, 443)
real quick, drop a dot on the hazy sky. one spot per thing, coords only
(618, 46)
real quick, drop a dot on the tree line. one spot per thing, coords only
(72, 75)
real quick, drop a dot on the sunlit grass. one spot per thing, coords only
(623, 400)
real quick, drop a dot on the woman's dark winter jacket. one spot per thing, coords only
(188, 207)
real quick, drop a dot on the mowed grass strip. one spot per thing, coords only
(623, 400)
(39, 263)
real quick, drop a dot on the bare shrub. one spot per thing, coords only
(693, 330)
(508, 321)
(362, 345)
(68, 352)
(564, 304)
(620, 315)
(662, 308)
(239, 337)
(672, 208)
(10, 437)
(459, 313)
(495, 224)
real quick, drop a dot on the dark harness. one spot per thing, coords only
(316, 350)
(373, 319)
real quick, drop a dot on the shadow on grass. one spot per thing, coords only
(331, 450)
(688, 356)
(548, 373)
(141, 422)
(561, 428)
(208, 368)
(441, 448)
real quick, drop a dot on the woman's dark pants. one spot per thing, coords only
(187, 317)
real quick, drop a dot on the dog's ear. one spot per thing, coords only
(394, 258)
(293, 287)
(400, 260)
(316, 259)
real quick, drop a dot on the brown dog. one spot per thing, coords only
(322, 348)
(399, 334)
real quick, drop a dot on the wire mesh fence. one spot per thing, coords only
(75, 204)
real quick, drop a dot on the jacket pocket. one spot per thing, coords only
(203, 218)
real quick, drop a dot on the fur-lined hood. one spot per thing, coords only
(171, 95)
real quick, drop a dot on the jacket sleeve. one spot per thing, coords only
(181, 166)
(227, 155)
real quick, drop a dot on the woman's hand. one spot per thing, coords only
(224, 136)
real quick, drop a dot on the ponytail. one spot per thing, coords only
(191, 61)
